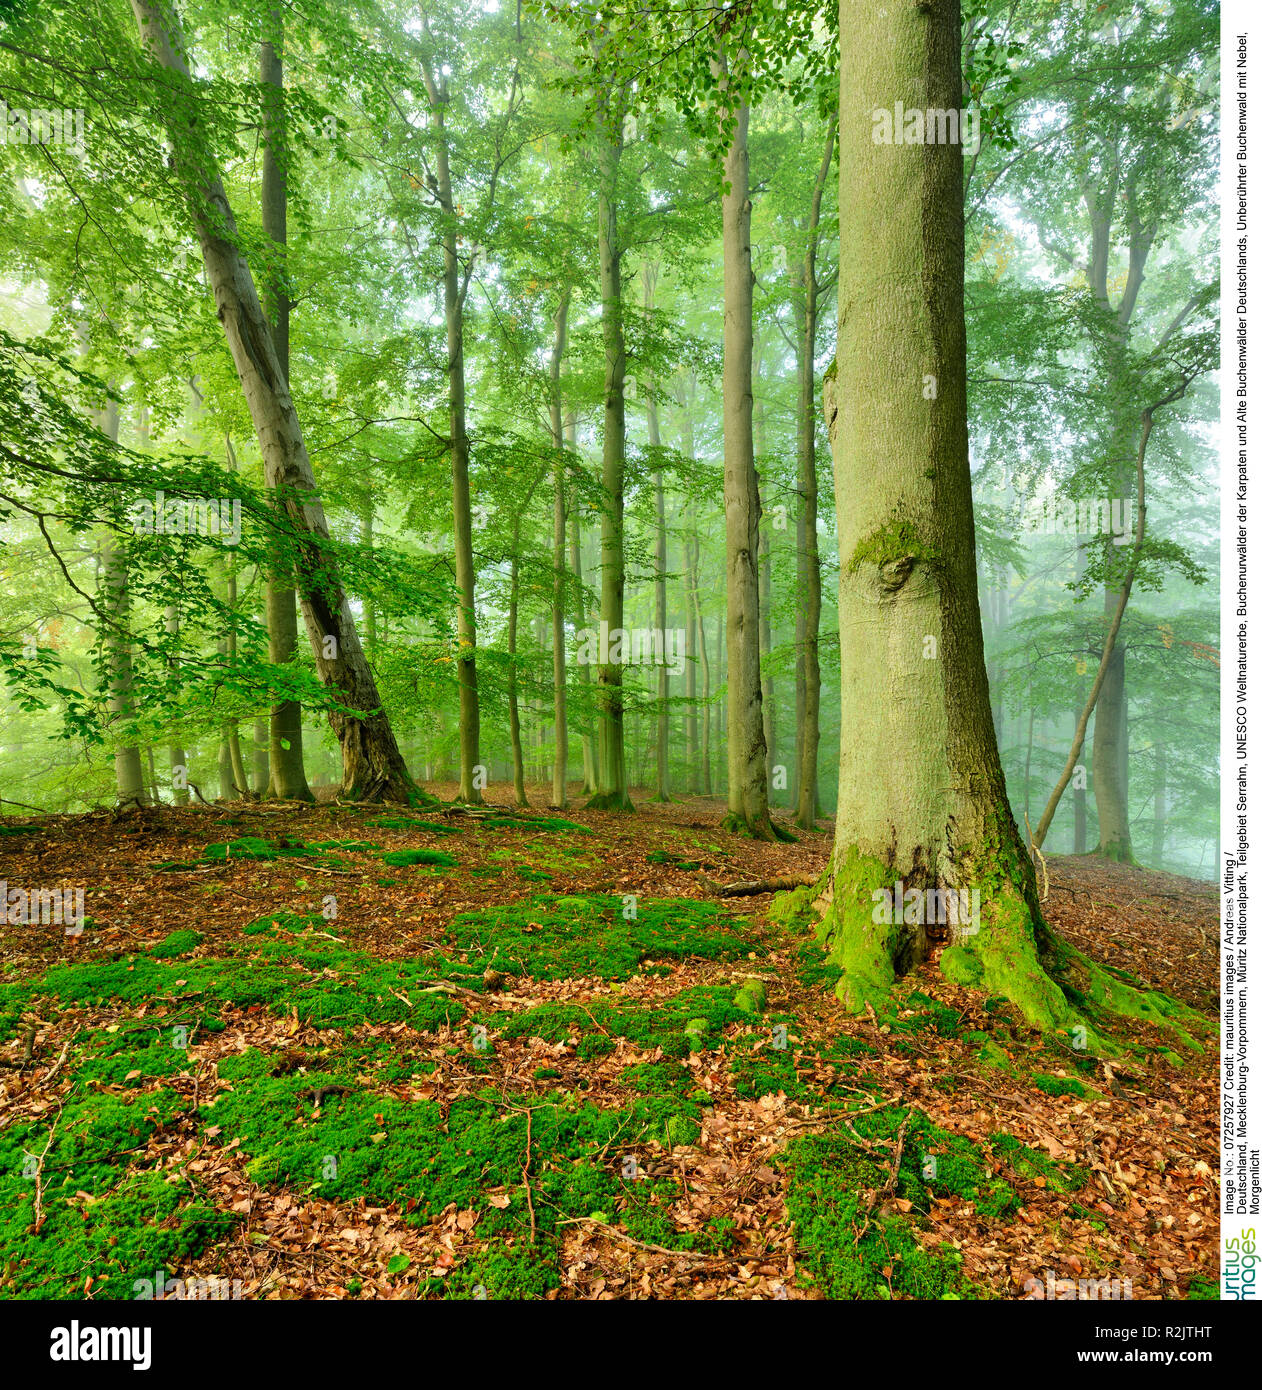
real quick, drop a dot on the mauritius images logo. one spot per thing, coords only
(910, 125)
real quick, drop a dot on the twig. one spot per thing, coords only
(890, 1185)
(39, 1177)
(642, 1244)
(525, 1182)
(1042, 861)
(56, 1066)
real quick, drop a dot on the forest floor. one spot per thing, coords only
(345, 1051)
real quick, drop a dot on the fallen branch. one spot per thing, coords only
(767, 885)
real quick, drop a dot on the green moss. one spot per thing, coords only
(887, 544)
(687, 1022)
(751, 997)
(572, 937)
(178, 943)
(429, 827)
(404, 858)
(843, 1246)
(859, 947)
(1032, 1163)
(551, 825)
(1059, 1085)
(661, 856)
(251, 847)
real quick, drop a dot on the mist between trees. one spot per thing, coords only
(404, 395)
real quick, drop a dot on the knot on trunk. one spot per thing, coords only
(895, 573)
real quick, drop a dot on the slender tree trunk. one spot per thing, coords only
(690, 670)
(261, 776)
(766, 678)
(559, 493)
(372, 766)
(1159, 806)
(582, 619)
(746, 747)
(1107, 670)
(612, 794)
(175, 750)
(514, 714)
(129, 780)
(286, 778)
(707, 778)
(661, 791)
(808, 581)
(462, 513)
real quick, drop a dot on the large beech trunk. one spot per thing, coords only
(921, 797)
(372, 766)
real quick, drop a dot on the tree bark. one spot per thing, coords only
(747, 811)
(129, 778)
(612, 792)
(661, 791)
(286, 778)
(807, 677)
(560, 484)
(921, 798)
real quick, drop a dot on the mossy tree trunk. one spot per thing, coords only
(921, 796)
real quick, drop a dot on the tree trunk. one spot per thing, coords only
(372, 766)
(1159, 806)
(514, 713)
(560, 485)
(582, 618)
(661, 791)
(747, 811)
(129, 778)
(690, 670)
(286, 775)
(175, 751)
(766, 679)
(808, 582)
(612, 793)
(921, 801)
